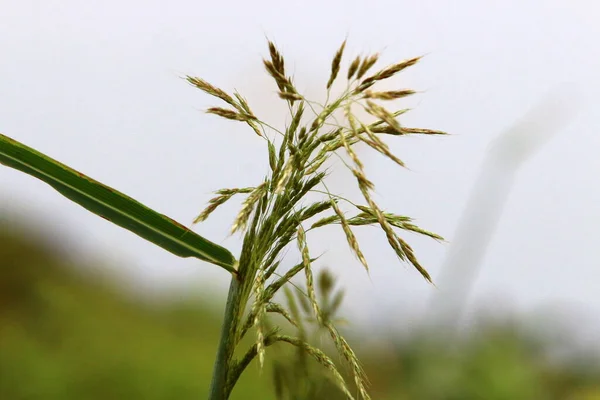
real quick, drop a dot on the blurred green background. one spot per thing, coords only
(69, 333)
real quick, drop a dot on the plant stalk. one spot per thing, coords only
(219, 389)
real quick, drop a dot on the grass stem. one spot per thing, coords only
(219, 389)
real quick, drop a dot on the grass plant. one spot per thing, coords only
(276, 214)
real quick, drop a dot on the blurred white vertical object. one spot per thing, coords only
(488, 197)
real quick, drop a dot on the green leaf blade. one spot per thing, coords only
(114, 206)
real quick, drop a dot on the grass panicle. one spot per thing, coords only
(272, 216)
(379, 145)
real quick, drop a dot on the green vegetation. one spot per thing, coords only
(67, 335)
(276, 212)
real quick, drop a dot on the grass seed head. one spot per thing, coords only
(283, 83)
(388, 72)
(242, 218)
(276, 59)
(335, 64)
(224, 195)
(259, 309)
(353, 67)
(389, 95)
(212, 206)
(290, 96)
(410, 255)
(303, 247)
(315, 209)
(285, 176)
(272, 156)
(210, 89)
(346, 351)
(230, 114)
(367, 63)
(380, 112)
(378, 145)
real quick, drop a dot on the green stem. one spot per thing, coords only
(219, 389)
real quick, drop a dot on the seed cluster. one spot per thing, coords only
(275, 213)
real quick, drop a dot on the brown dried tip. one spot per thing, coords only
(335, 64)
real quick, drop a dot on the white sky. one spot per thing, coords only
(96, 85)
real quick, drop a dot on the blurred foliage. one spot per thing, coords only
(65, 334)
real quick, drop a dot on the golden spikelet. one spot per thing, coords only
(389, 95)
(230, 114)
(410, 255)
(392, 70)
(377, 144)
(380, 112)
(210, 89)
(283, 83)
(351, 153)
(335, 65)
(367, 63)
(276, 59)
(289, 96)
(353, 67)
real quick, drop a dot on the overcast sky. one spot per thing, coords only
(96, 85)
